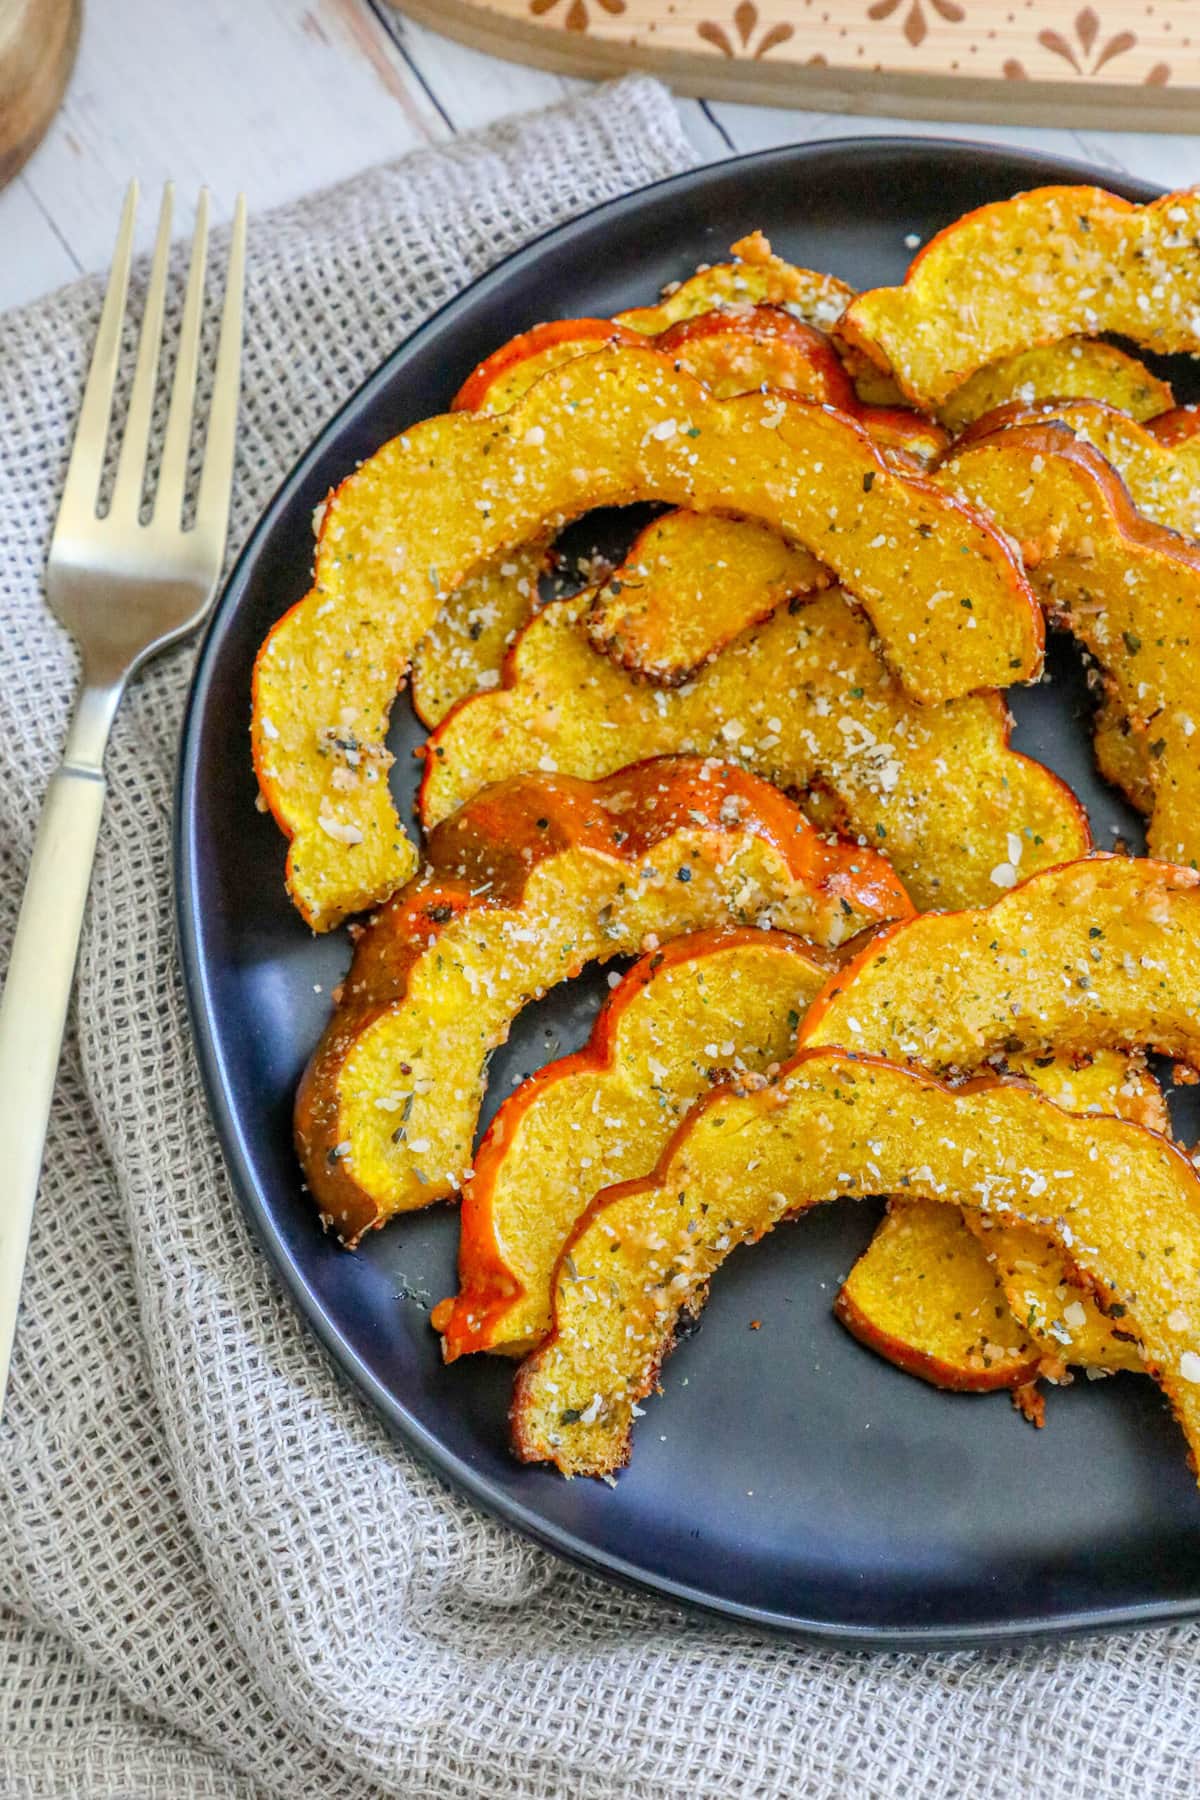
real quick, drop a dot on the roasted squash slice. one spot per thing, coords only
(1176, 426)
(732, 352)
(1073, 368)
(502, 378)
(1122, 753)
(533, 880)
(465, 647)
(694, 580)
(950, 603)
(714, 1006)
(1120, 1204)
(668, 626)
(1070, 1328)
(1089, 957)
(839, 441)
(466, 644)
(1163, 478)
(1098, 954)
(464, 650)
(804, 701)
(988, 1307)
(1079, 261)
(925, 1296)
(657, 628)
(1129, 590)
(690, 583)
(758, 278)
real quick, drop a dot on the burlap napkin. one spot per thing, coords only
(221, 1578)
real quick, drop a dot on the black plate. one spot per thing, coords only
(787, 1476)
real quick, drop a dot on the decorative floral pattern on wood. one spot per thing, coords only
(745, 38)
(915, 27)
(575, 12)
(1086, 52)
(1112, 46)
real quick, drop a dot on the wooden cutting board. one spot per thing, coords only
(1131, 64)
(38, 40)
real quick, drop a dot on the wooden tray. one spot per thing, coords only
(1128, 63)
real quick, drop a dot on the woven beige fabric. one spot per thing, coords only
(221, 1579)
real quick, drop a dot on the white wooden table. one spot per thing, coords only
(282, 96)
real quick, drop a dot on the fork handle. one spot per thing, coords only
(33, 1011)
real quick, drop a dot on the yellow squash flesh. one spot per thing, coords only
(1163, 478)
(738, 564)
(1075, 367)
(1075, 261)
(806, 702)
(924, 1295)
(989, 1307)
(759, 278)
(1097, 956)
(1121, 752)
(691, 583)
(721, 1005)
(1127, 589)
(464, 650)
(1120, 1202)
(945, 593)
(533, 881)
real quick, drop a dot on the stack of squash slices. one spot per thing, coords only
(766, 752)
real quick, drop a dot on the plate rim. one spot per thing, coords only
(451, 1467)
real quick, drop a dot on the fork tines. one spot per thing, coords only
(84, 473)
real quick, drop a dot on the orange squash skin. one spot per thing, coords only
(799, 359)
(1175, 426)
(554, 334)
(488, 1285)
(954, 1377)
(631, 1368)
(481, 857)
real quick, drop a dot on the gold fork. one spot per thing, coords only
(125, 590)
